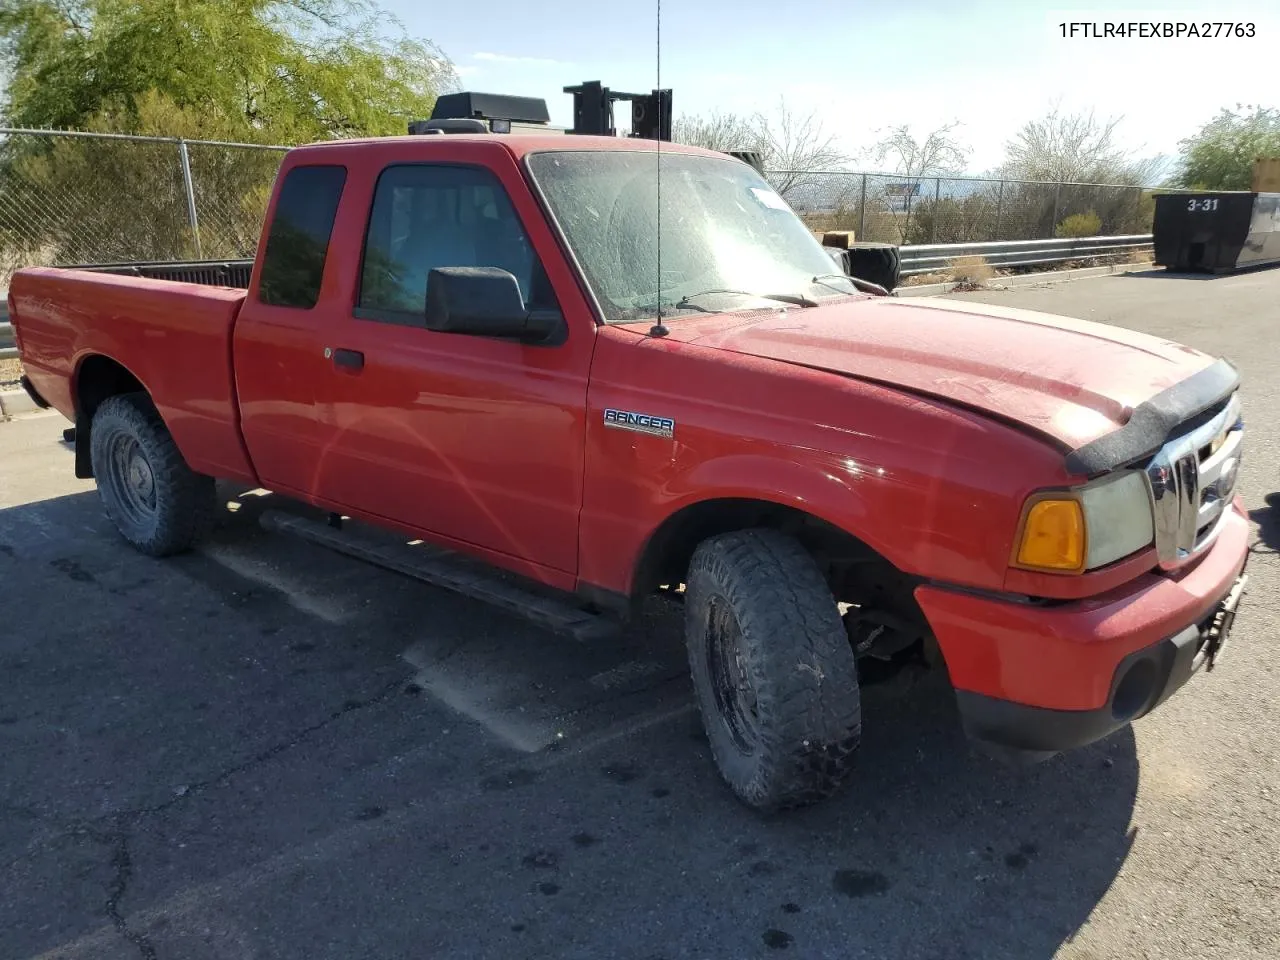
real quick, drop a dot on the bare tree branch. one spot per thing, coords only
(719, 131)
(939, 153)
(1076, 147)
(795, 149)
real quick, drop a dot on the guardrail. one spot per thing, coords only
(928, 258)
(935, 258)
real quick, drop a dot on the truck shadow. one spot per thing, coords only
(1268, 520)
(1160, 273)
(952, 854)
(623, 843)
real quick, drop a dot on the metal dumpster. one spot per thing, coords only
(1216, 232)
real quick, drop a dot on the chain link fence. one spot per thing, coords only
(79, 198)
(922, 210)
(75, 198)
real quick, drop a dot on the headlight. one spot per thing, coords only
(1071, 531)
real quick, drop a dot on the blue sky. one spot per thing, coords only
(865, 66)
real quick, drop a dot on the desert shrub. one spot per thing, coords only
(1080, 225)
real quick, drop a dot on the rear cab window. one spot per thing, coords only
(298, 240)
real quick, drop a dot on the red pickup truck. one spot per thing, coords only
(478, 340)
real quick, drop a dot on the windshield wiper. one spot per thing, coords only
(661, 311)
(798, 299)
(864, 285)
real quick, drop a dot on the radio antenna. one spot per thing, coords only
(659, 329)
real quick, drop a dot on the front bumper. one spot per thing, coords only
(1045, 679)
(1142, 681)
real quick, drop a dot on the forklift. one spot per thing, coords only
(875, 263)
(592, 115)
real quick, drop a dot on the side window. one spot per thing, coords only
(298, 241)
(427, 216)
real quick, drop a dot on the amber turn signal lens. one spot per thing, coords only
(1053, 536)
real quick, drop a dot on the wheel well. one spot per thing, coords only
(666, 556)
(856, 573)
(98, 379)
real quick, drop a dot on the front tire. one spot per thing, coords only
(773, 669)
(158, 503)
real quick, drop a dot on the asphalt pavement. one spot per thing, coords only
(264, 750)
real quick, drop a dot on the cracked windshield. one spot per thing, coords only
(728, 240)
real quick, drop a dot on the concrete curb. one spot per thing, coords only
(15, 402)
(1027, 279)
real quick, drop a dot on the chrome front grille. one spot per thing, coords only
(1191, 482)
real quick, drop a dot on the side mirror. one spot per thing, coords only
(483, 302)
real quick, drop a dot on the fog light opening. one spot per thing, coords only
(1135, 690)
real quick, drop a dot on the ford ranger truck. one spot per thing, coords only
(502, 346)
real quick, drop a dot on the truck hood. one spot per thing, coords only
(1072, 381)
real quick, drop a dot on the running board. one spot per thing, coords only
(443, 569)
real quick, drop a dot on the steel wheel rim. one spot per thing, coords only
(731, 687)
(132, 480)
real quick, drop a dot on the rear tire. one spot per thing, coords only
(158, 503)
(773, 669)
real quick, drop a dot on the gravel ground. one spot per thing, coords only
(264, 750)
(10, 371)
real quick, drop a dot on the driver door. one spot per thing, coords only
(473, 439)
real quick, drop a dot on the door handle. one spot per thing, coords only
(348, 359)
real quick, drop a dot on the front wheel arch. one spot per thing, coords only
(664, 559)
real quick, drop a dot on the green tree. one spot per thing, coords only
(1220, 156)
(262, 71)
(82, 200)
(286, 71)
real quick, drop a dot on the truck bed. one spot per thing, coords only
(211, 273)
(173, 336)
